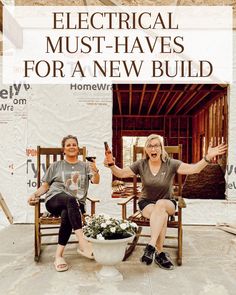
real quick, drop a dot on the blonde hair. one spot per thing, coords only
(164, 154)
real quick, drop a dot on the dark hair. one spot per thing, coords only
(68, 137)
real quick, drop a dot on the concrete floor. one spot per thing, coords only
(208, 268)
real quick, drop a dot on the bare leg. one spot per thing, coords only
(84, 245)
(60, 251)
(60, 265)
(157, 221)
(161, 238)
(158, 215)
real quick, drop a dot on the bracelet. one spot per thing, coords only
(208, 161)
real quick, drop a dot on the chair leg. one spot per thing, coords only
(133, 244)
(180, 245)
(37, 242)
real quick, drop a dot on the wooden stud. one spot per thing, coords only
(5, 209)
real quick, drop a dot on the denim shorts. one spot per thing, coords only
(143, 203)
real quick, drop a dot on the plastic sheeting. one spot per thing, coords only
(34, 115)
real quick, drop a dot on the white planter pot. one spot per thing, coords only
(108, 253)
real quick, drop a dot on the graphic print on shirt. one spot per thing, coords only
(75, 183)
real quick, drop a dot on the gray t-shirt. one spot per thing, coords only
(158, 186)
(72, 179)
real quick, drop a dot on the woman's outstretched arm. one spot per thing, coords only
(186, 169)
(119, 172)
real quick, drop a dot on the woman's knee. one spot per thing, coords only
(160, 206)
(64, 217)
(165, 205)
(64, 214)
(72, 202)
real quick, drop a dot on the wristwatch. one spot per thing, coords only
(205, 158)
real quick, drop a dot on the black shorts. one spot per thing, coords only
(143, 203)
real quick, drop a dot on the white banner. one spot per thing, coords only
(32, 115)
(143, 44)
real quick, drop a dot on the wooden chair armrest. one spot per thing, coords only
(33, 203)
(38, 200)
(93, 204)
(93, 200)
(42, 199)
(125, 201)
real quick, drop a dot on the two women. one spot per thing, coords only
(156, 202)
(66, 184)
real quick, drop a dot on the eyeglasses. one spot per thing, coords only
(155, 146)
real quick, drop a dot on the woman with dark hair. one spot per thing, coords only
(66, 185)
(156, 202)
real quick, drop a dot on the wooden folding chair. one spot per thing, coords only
(46, 225)
(174, 221)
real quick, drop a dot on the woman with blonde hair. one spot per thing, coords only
(156, 202)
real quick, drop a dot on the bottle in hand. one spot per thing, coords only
(108, 155)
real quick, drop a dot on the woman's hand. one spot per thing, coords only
(216, 151)
(95, 172)
(93, 167)
(107, 160)
(33, 200)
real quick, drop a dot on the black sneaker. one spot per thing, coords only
(163, 261)
(148, 254)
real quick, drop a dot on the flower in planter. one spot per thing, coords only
(104, 227)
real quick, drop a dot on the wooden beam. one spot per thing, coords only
(210, 123)
(206, 118)
(5, 209)
(119, 100)
(130, 99)
(139, 132)
(197, 101)
(164, 100)
(214, 124)
(13, 31)
(188, 160)
(108, 3)
(176, 97)
(150, 116)
(217, 121)
(188, 96)
(214, 97)
(153, 99)
(167, 90)
(1, 16)
(142, 97)
(225, 119)
(220, 121)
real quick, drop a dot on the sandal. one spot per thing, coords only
(85, 254)
(60, 264)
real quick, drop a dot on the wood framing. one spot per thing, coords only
(189, 114)
(14, 31)
(5, 209)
